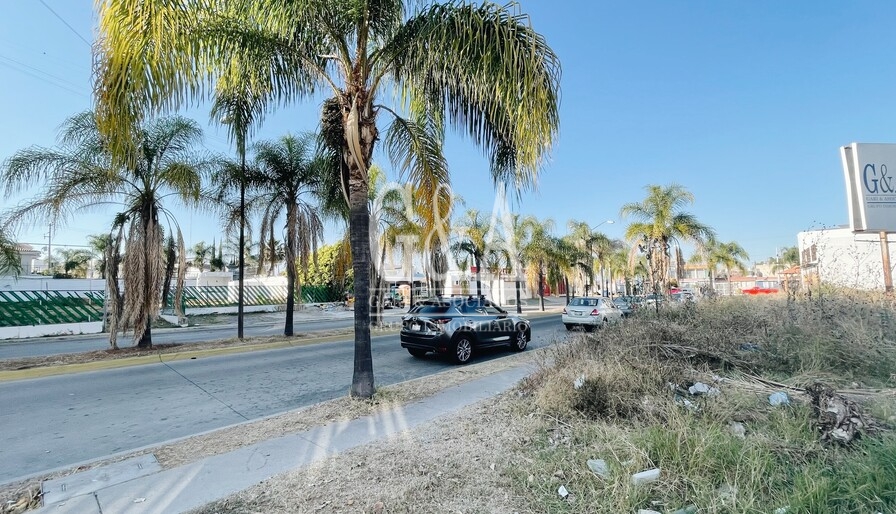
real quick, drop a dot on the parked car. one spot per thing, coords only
(590, 312)
(624, 306)
(459, 326)
(393, 299)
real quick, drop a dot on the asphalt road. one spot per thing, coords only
(59, 421)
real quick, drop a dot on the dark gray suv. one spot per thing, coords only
(458, 326)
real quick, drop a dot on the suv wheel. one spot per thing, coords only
(520, 340)
(463, 349)
(417, 352)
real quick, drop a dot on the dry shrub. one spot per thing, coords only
(624, 371)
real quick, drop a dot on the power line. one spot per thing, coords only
(66, 23)
(49, 78)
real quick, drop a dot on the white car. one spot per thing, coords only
(589, 312)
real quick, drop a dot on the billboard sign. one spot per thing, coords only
(870, 173)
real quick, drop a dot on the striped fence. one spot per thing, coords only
(227, 296)
(26, 308)
(23, 308)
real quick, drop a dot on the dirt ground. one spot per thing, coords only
(457, 447)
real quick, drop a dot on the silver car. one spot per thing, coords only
(589, 312)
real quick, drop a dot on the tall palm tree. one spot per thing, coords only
(659, 223)
(729, 255)
(82, 173)
(472, 231)
(480, 67)
(539, 252)
(516, 242)
(591, 243)
(571, 259)
(286, 180)
(98, 244)
(239, 107)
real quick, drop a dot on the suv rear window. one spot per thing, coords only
(432, 308)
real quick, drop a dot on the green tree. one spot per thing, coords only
(98, 243)
(728, 255)
(74, 261)
(81, 173)
(286, 181)
(480, 67)
(200, 255)
(659, 223)
(539, 252)
(472, 231)
(10, 262)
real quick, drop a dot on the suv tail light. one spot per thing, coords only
(595, 313)
(441, 321)
(564, 310)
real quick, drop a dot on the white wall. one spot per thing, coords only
(843, 258)
(42, 283)
(93, 327)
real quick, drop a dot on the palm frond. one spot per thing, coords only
(496, 77)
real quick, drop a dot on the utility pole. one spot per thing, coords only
(49, 237)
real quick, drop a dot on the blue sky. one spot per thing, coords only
(744, 103)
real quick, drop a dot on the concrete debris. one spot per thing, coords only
(700, 388)
(737, 429)
(646, 477)
(563, 492)
(648, 511)
(727, 493)
(580, 381)
(599, 467)
(779, 398)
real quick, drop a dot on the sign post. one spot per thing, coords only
(871, 194)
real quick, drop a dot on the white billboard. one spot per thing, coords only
(870, 173)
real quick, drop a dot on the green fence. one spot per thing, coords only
(226, 296)
(24, 308)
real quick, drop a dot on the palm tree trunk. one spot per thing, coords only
(241, 284)
(566, 284)
(360, 134)
(519, 308)
(359, 219)
(291, 229)
(541, 284)
(478, 276)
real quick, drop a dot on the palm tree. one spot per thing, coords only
(714, 254)
(98, 244)
(471, 242)
(660, 222)
(287, 180)
(82, 174)
(516, 242)
(200, 255)
(539, 252)
(10, 262)
(75, 261)
(239, 107)
(571, 259)
(480, 67)
(589, 241)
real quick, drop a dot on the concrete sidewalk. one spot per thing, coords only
(140, 487)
